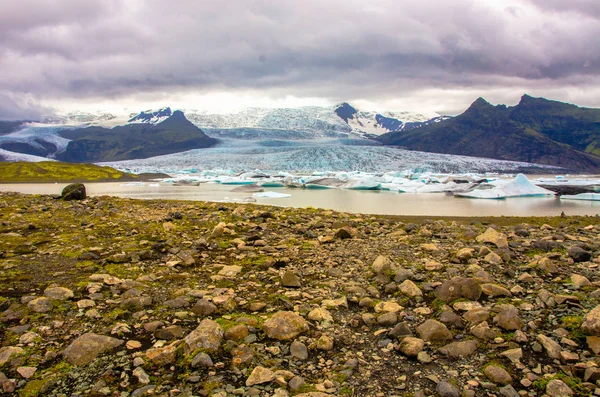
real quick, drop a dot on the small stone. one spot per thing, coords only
(163, 356)
(409, 288)
(299, 350)
(320, 314)
(387, 319)
(550, 345)
(141, 376)
(296, 383)
(591, 324)
(558, 388)
(497, 375)
(460, 349)
(493, 237)
(324, 343)
(26, 372)
(411, 346)
(382, 264)
(237, 332)
(87, 347)
(40, 305)
(259, 376)
(133, 345)
(459, 287)
(204, 308)
(230, 271)
(578, 254)
(285, 325)
(433, 330)
(58, 293)
(290, 280)
(447, 389)
(202, 360)
(509, 319)
(208, 336)
(580, 281)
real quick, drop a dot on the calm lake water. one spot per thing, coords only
(366, 202)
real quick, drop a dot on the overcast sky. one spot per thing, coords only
(434, 55)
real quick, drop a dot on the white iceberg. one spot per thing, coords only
(362, 184)
(269, 194)
(499, 189)
(582, 196)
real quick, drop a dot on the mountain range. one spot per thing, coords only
(536, 130)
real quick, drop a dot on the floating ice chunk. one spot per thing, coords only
(582, 196)
(324, 183)
(492, 193)
(269, 194)
(445, 187)
(362, 184)
(403, 187)
(521, 187)
(235, 181)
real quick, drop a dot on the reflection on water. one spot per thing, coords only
(367, 202)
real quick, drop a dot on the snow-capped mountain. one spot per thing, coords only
(305, 122)
(151, 116)
(340, 121)
(380, 123)
(82, 118)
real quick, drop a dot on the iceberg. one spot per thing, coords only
(324, 183)
(582, 196)
(362, 184)
(269, 194)
(499, 189)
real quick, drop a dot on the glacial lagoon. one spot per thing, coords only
(354, 201)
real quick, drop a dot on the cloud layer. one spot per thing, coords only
(385, 51)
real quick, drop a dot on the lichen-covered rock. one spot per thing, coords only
(58, 293)
(208, 336)
(285, 326)
(493, 237)
(591, 324)
(74, 191)
(259, 376)
(433, 330)
(7, 353)
(87, 347)
(459, 287)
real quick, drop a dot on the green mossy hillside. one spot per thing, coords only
(53, 171)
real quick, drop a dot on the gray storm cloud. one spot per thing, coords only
(329, 49)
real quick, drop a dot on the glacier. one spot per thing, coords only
(236, 156)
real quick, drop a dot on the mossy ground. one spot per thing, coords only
(54, 171)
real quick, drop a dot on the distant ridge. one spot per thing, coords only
(537, 130)
(148, 137)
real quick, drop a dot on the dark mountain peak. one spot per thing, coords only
(480, 103)
(388, 123)
(177, 120)
(345, 111)
(152, 116)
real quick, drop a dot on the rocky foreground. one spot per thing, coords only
(114, 297)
